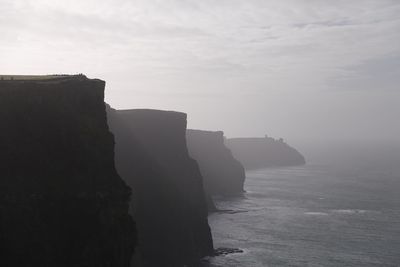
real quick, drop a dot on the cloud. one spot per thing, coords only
(373, 74)
(248, 59)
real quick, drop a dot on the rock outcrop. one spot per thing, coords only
(222, 173)
(169, 205)
(256, 153)
(62, 202)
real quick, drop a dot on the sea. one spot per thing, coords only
(341, 210)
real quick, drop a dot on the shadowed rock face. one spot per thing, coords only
(169, 205)
(223, 174)
(256, 153)
(62, 202)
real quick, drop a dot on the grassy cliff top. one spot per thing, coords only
(41, 78)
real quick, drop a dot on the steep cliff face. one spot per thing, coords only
(169, 205)
(222, 173)
(62, 202)
(255, 153)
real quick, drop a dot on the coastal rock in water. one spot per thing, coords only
(256, 153)
(62, 202)
(169, 205)
(227, 251)
(222, 173)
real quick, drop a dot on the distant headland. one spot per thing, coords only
(263, 152)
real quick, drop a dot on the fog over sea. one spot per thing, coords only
(341, 209)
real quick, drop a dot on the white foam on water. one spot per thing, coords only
(315, 213)
(350, 211)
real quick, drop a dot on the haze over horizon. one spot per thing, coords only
(301, 70)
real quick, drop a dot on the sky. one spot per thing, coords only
(298, 69)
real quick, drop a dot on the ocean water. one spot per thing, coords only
(312, 215)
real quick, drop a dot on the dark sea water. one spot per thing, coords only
(313, 215)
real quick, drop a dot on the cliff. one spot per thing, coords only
(62, 202)
(256, 153)
(222, 173)
(169, 205)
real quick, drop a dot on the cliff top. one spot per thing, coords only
(196, 131)
(152, 112)
(42, 78)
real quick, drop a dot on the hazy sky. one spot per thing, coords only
(298, 69)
